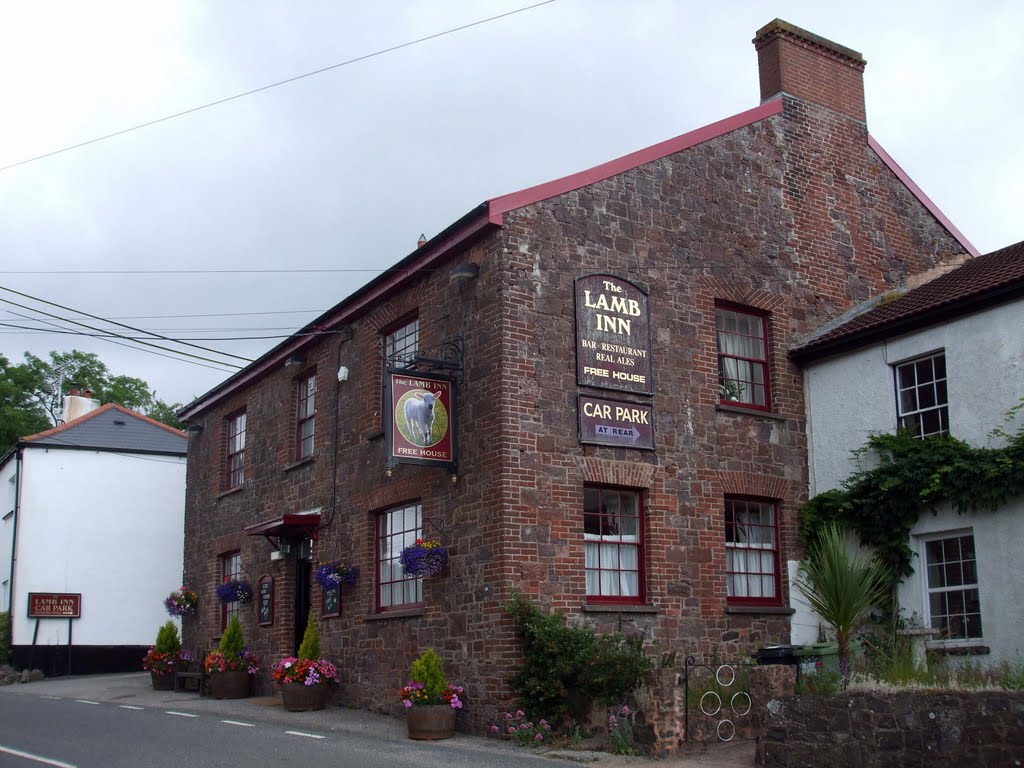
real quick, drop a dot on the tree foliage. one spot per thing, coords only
(31, 399)
(913, 476)
(231, 642)
(429, 670)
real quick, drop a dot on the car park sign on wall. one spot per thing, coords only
(616, 423)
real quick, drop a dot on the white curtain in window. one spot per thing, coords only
(612, 569)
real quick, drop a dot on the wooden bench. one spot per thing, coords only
(194, 671)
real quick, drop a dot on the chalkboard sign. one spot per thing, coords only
(265, 604)
(331, 602)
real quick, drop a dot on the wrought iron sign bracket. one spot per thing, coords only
(437, 524)
(445, 358)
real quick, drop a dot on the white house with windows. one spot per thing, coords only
(946, 357)
(95, 510)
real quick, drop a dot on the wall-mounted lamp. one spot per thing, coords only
(295, 360)
(343, 373)
(464, 272)
(194, 429)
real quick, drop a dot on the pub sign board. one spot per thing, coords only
(613, 335)
(54, 605)
(421, 424)
(616, 423)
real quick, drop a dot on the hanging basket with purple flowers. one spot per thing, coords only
(181, 602)
(234, 591)
(335, 574)
(424, 558)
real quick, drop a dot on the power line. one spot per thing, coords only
(226, 369)
(121, 325)
(69, 332)
(93, 328)
(275, 85)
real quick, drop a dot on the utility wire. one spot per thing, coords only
(275, 85)
(102, 330)
(112, 322)
(69, 332)
(226, 369)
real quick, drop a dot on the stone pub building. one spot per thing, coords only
(581, 390)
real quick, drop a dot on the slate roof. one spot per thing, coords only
(982, 282)
(112, 427)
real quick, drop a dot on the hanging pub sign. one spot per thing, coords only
(54, 605)
(616, 423)
(420, 428)
(613, 335)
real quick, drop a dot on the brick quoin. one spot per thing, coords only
(786, 210)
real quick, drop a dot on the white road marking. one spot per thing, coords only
(37, 758)
(235, 722)
(307, 735)
(128, 706)
(51, 698)
(83, 701)
(180, 714)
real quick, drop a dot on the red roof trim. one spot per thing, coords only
(920, 195)
(92, 414)
(437, 252)
(523, 197)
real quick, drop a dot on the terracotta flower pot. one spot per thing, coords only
(298, 697)
(162, 681)
(232, 684)
(434, 721)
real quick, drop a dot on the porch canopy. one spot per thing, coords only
(302, 525)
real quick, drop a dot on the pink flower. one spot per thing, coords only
(624, 711)
(494, 729)
(407, 703)
(538, 737)
(511, 730)
(520, 713)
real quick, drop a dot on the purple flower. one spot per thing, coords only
(494, 729)
(624, 711)
(407, 703)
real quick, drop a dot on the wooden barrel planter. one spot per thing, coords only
(231, 684)
(298, 697)
(435, 721)
(162, 681)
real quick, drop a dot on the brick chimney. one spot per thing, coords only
(799, 63)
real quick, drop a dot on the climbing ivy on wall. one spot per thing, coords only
(912, 476)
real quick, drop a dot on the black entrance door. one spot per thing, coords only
(303, 571)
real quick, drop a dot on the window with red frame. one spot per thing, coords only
(306, 415)
(397, 529)
(234, 474)
(613, 545)
(230, 568)
(742, 337)
(752, 552)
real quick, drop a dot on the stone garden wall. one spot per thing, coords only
(907, 728)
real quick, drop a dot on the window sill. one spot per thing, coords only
(229, 492)
(619, 608)
(773, 610)
(404, 613)
(749, 411)
(960, 650)
(374, 436)
(299, 463)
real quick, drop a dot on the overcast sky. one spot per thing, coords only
(345, 169)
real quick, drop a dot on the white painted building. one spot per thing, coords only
(945, 357)
(94, 507)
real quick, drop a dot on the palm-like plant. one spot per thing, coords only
(842, 584)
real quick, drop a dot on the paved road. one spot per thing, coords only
(111, 721)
